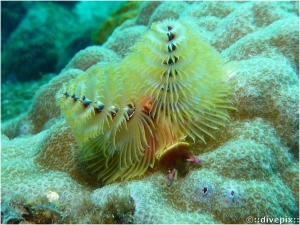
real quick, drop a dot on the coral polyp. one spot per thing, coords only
(179, 89)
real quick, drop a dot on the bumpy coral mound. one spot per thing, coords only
(126, 32)
(249, 169)
(59, 151)
(43, 111)
(278, 41)
(269, 89)
(20, 175)
(90, 56)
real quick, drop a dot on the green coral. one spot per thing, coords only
(128, 11)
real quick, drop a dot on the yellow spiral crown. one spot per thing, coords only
(184, 75)
(172, 84)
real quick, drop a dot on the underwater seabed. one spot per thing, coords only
(248, 170)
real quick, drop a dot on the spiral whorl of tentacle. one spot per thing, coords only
(171, 84)
(184, 75)
(109, 122)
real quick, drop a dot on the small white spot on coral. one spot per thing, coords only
(52, 196)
